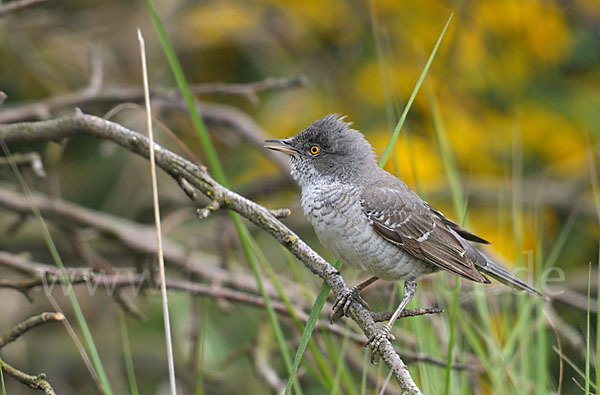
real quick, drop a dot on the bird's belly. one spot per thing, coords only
(343, 228)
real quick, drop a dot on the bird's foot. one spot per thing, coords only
(343, 302)
(375, 341)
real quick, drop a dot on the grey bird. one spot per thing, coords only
(370, 219)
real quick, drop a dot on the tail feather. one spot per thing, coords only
(486, 266)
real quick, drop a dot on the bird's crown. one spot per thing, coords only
(333, 135)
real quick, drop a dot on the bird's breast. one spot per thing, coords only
(335, 212)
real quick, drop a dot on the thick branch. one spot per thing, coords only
(178, 167)
(222, 114)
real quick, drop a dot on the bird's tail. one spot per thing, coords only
(486, 266)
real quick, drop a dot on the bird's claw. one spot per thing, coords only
(375, 341)
(343, 302)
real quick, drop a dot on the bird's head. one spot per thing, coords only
(329, 149)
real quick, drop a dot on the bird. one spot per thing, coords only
(370, 219)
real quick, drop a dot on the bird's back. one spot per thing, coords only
(336, 213)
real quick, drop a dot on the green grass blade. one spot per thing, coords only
(388, 149)
(87, 335)
(598, 326)
(385, 81)
(365, 367)
(587, 334)
(540, 360)
(458, 199)
(321, 363)
(211, 153)
(133, 388)
(246, 241)
(308, 330)
(202, 346)
(452, 335)
(574, 367)
(560, 242)
(460, 205)
(315, 352)
(216, 168)
(596, 194)
(2, 379)
(518, 329)
(474, 337)
(340, 366)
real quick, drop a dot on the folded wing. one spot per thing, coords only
(404, 219)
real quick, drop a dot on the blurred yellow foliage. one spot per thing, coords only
(517, 83)
(534, 27)
(220, 22)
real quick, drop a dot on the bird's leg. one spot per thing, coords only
(410, 287)
(345, 300)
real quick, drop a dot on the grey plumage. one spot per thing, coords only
(371, 219)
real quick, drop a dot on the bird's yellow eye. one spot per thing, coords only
(314, 149)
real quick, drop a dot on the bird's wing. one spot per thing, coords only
(404, 219)
(465, 234)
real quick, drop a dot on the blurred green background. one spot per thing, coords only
(515, 85)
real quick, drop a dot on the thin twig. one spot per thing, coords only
(386, 315)
(28, 324)
(32, 159)
(231, 117)
(38, 382)
(112, 94)
(137, 237)
(97, 262)
(120, 280)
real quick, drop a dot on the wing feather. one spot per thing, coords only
(404, 219)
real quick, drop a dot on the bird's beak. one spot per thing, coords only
(282, 145)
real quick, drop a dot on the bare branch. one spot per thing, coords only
(118, 280)
(231, 117)
(17, 5)
(205, 212)
(32, 159)
(281, 213)
(41, 109)
(36, 382)
(30, 323)
(250, 90)
(78, 124)
(386, 315)
(86, 253)
(138, 238)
